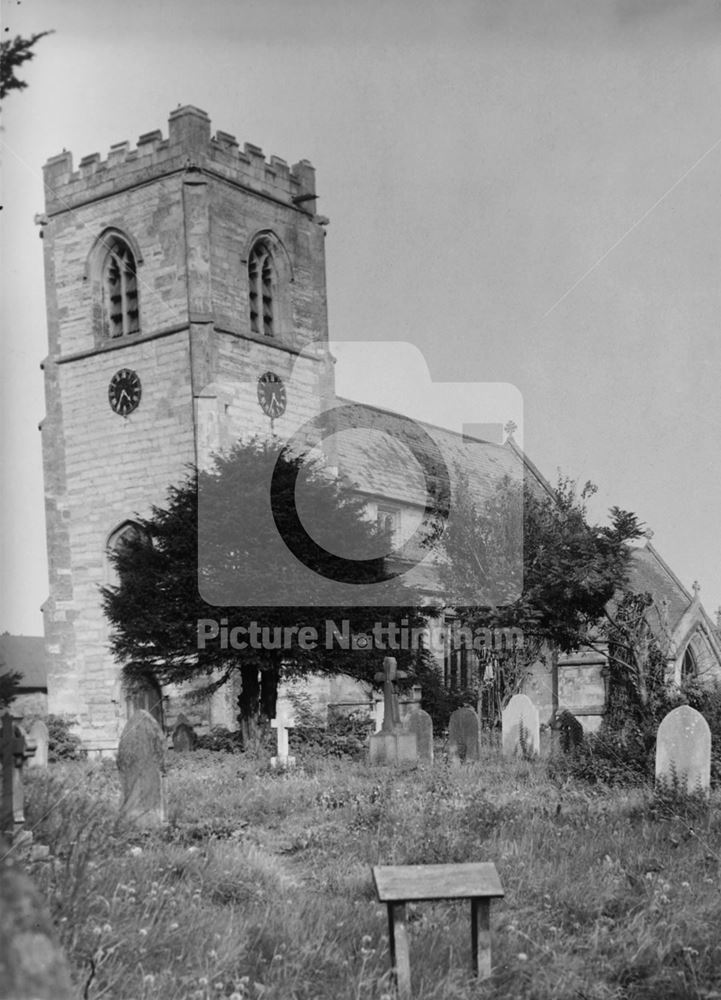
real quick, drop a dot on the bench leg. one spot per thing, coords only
(398, 944)
(481, 937)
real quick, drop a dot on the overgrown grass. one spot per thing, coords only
(261, 885)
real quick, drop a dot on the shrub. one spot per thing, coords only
(219, 740)
(346, 736)
(62, 743)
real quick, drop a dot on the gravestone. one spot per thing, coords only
(38, 733)
(282, 722)
(141, 762)
(683, 750)
(184, 736)
(15, 750)
(520, 713)
(464, 736)
(420, 723)
(32, 964)
(570, 731)
(393, 744)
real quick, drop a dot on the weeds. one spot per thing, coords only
(260, 887)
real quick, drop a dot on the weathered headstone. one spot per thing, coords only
(40, 736)
(464, 735)
(683, 750)
(570, 731)
(141, 762)
(282, 722)
(520, 716)
(15, 750)
(393, 744)
(184, 736)
(420, 723)
(32, 964)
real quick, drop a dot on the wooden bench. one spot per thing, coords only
(397, 885)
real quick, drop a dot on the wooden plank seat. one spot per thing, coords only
(397, 885)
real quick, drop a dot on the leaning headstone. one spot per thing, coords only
(420, 723)
(184, 736)
(15, 750)
(464, 736)
(393, 744)
(32, 964)
(520, 726)
(38, 733)
(683, 751)
(282, 722)
(141, 762)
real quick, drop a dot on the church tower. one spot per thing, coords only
(186, 302)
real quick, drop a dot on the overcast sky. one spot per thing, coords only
(528, 191)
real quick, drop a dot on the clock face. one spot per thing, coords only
(124, 391)
(271, 394)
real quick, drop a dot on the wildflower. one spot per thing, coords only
(143, 932)
(522, 956)
(135, 851)
(107, 928)
(212, 953)
(202, 981)
(149, 979)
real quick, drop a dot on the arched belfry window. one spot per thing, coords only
(127, 532)
(120, 288)
(262, 289)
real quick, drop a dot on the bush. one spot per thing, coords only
(220, 740)
(62, 743)
(608, 757)
(346, 736)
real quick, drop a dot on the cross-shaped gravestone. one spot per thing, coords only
(391, 712)
(15, 749)
(282, 722)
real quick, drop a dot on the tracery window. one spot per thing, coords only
(262, 289)
(120, 289)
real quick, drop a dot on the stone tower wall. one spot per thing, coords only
(190, 206)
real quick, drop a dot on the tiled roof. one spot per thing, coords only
(376, 456)
(26, 654)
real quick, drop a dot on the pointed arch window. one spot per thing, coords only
(127, 532)
(262, 289)
(120, 289)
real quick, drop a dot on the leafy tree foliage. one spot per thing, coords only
(565, 568)
(156, 608)
(9, 686)
(13, 53)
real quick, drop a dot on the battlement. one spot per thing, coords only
(189, 146)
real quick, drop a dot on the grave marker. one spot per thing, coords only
(683, 750)
(40, 736)
(282, 722)
(420, 723)
(15, 750)
(393, 744)
(184, 736)
(520, 712)
(141, 762)
(464, 736)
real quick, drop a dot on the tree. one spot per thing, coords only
(9, 687)
(567, 570)
(13, 53)
(219, 529)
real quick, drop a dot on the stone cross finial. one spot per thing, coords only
(648, 533)
(391, 712)
(15, 749)
(510, 428)
(282, 722)
(696, 588)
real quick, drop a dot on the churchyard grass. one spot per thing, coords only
(260, 885)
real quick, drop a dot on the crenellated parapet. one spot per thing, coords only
(188, 146)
